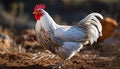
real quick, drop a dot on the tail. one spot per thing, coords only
(93, 26)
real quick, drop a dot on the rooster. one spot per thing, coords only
(65, 41)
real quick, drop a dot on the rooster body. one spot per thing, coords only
(66, 41)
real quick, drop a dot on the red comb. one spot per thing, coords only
(41, 6)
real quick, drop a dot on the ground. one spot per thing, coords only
(79, 61)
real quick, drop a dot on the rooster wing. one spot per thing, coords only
(70, 34)
(88, 29)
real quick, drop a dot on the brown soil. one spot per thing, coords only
(80, 61)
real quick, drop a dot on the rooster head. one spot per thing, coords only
(38, 11)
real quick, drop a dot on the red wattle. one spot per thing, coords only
(37, 16)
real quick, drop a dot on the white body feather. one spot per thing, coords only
(73, 37)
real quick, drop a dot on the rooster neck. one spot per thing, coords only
(46, 22)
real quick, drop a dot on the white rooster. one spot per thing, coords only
(65, 41)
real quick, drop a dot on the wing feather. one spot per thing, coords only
(73, 34)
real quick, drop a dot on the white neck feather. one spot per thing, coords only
(46, 22)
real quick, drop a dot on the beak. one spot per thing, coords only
(34, 12)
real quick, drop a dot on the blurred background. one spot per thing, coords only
(17, 14)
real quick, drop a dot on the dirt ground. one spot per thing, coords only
(80, 61)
